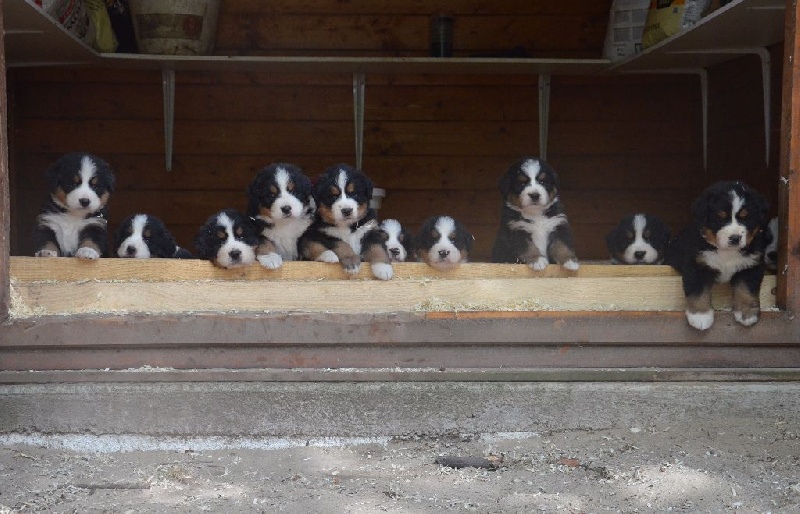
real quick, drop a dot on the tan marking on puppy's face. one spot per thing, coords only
(710, 236)
(60, 196)
(326, 213)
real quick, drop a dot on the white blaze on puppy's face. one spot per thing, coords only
(233, 252)
(443, 253)
(534, 194)
(134, 246)
(396, 250)
(84, 198)
(734, 234)
(345, 209)
(286, 205)
(640, 251)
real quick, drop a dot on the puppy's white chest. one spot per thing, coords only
(284, 234)
(540, 228)
(728, 262)
(67, 229)
(351, 238)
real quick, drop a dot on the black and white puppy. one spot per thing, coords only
(281, 197)
(142, 236)
(228, 239)
(345, 229)
(725, 243)
(771, 251)
(638, 239)
(443, 242)
(533, 226)
(74, 217)
(398, 240)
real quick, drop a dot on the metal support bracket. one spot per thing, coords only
(168, 85)
(544, 113)
(766, 64)
(359, 83)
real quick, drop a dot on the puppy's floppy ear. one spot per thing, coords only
(610, 239)
(112, 180)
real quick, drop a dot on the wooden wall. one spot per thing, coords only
(437, 144)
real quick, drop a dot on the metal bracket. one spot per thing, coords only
(168, 85)
(359, 83)
(766, 63)
(544, 113)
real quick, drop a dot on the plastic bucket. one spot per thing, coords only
(175, 27)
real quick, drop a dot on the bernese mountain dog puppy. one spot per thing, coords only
(281, 197)
(724, 244)
(398, 240)
(345, 229)
(228, 239)
(74, 217)
(638, 239)
(771, 251)
(533, 226)
(443, 242)
(142, 236)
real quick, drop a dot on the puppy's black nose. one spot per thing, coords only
(84, 202)
(535, 197)
(735, 240)
(130, 251)
(444, 253)
(286, 209)
(394, 251)
(639, 255)
(347, 211)
(235, 254)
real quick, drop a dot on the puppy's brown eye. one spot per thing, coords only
(146, 234)
(629, 234)
(452, 239)
(273, 190)
(290, 186)
(742, 214)
(221, 234)
(646, 234)
(129, 230)
(335, 191)
(541, 176)
(76, 179)
(350, 188)
(435, 234)
(239, 231)
(94, 181)
(522, 179)
(722, 215)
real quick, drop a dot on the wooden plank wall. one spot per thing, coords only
(437, 144)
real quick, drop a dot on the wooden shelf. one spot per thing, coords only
(732, 30)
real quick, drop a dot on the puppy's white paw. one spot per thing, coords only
(271, 260)
(88, 254)
(352, 268)
(539, 264)
(327, 256)
(571, 265)
(700, 320)
(46, 253)
(746, 321)
(382, 271)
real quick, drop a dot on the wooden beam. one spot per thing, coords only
(789, 194)
(69, 286)
(5, 209)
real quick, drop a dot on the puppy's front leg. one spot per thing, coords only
(699, 312)
(267, 254)
(746, 302)
(564, 255)
(380, 261)
(350, 261)
(533, 257)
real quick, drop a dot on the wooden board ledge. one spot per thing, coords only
(65, 286)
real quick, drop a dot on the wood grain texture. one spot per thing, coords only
(5, 198)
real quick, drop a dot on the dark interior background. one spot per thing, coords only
(437, 143)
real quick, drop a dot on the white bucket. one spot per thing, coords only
(175, 27)
(378, 195)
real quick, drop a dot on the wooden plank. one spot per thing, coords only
(397, 295)
(62, 269)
